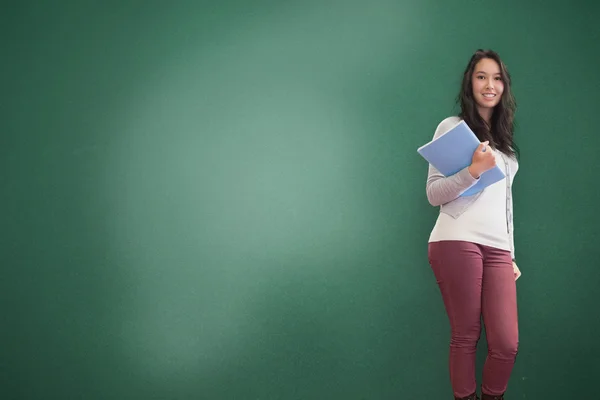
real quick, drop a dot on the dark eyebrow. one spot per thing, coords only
(482, 72)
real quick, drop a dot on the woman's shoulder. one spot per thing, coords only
(445, 125)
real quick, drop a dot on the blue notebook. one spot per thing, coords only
(453, 151)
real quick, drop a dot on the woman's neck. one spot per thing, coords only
(486, 114)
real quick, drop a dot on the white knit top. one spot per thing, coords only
(485, 220)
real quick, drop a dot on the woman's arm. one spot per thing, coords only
(441, 190)
(512, 229)
(516, 270)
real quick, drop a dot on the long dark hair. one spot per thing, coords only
(501, 128)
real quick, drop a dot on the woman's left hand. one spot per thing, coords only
(516, 270)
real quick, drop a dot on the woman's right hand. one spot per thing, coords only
(483, 160)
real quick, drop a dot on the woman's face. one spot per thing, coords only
(487, 83)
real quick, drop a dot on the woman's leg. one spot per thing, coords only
(499, 308)
(458, 268)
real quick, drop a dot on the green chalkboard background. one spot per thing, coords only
(223, 200)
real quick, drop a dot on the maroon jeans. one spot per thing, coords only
(477, 280)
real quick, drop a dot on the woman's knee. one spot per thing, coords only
(505, 348)
(466, 337)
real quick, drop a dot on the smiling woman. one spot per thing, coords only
(471, 247)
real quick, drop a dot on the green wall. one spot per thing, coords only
(224, 201)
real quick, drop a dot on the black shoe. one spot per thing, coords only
(471, 397)
(488, 397)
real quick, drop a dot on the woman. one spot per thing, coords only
(471, 247)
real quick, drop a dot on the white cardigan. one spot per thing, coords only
(485, 217)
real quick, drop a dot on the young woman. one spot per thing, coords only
(471, 247)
